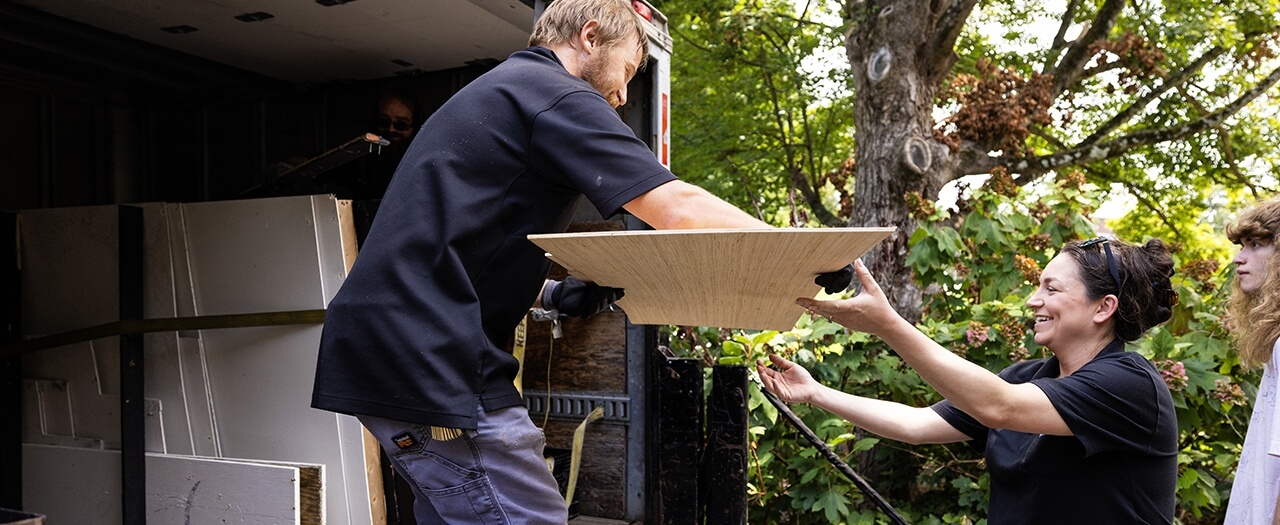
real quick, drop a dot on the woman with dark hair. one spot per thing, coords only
(1085, 436)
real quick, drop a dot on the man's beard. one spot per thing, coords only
(595, 72)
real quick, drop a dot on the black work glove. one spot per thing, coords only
(837, 281)
(575, 298)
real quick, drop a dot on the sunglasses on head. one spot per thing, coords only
(398, 125)
(1111, 260)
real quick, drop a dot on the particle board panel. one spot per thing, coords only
(602, 484)
(746, 279)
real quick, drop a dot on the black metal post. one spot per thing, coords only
(11, 368)
(133, 467)
(724, 465)
(675, 443)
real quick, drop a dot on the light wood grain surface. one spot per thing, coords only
(747, 279)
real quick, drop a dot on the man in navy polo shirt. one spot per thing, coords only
(414, 340)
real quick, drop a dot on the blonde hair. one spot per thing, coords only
(561, 22)
(1255, 317)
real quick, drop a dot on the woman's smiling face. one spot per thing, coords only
(1061, 306)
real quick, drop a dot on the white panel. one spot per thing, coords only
(73, 486)
(199, 402)
(71, 282)
(70, 485)
(261, 379)
(55, 407)
(333, 269)
(266, 255)
(32, 412)
(355, 467)
(242, 393)
(183, 293)
(163, 363)
(61, 293)
(252, 256)
(46, 415)
(93, 415)
(196, 491)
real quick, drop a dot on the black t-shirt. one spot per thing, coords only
(417, 331)
(1121, 464)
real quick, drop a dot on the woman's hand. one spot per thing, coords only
(787, 380)
(869, 311)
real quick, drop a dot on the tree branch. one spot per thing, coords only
(799, 181)
(1060, 39)
(1106, 150)
(1175, 81)
(1102, 68)
(970, 158)
(940, 54)
(1068, 71)
(1228, 152)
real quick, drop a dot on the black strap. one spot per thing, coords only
(840, 465)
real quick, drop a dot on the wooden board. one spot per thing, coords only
(745, 279)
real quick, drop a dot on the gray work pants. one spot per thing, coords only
(493, 475)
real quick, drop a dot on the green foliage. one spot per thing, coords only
(751, 112)
(755, 122)
(981, 263)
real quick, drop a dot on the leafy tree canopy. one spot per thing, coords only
(1063, 105)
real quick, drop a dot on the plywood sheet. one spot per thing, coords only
(746, 279)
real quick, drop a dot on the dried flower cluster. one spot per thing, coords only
(1262, 51)
(839, 179)
(976, 335)
(1040, 210)
(919, 207)
(1013, 332)
(998, 106)
(1038, 241)
(1174, 374)
(1202, 271)
(1029, 267)
(1073, 180)
(1001, 183)
(1229, 393)
(1139, 58)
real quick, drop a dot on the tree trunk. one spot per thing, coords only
(896, 153)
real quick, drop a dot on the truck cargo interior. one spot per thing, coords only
(165, 273)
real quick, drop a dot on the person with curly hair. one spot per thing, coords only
(1254, 311)
(1088, 435)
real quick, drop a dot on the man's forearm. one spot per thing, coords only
(678, 205)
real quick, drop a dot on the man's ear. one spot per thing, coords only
(588, 36)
